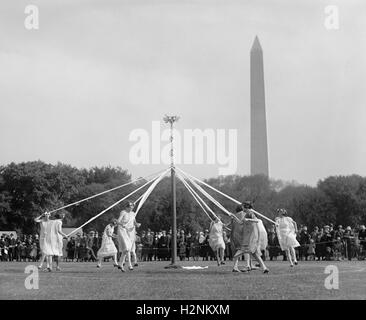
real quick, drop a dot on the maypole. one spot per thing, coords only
(171, 120)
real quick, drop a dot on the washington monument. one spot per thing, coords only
(258, 128)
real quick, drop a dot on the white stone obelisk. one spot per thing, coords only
(258, 127)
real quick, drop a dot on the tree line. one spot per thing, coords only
(30, 188)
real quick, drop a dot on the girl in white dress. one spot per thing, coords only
(46, 250)
(126, 234)
(286, 231)
(216, 240)
(108, 249)
(57, 236)
(263, 236)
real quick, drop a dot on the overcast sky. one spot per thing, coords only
(73, 90)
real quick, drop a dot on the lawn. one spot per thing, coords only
(151, 281)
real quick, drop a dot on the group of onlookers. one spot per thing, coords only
(152, 245)
(326, 243)
(23, 248)
(82, 247)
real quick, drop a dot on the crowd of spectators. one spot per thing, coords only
(326, 243)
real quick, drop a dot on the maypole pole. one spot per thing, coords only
(171, 120)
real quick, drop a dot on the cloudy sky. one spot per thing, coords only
(74, 90)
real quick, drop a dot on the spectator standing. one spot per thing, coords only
(311, 250)
(83, 250)
(3, 257)
(327, 243)
(163, 246)
(348, 238)
(149, 245)
(273, 244)
(71, 249)
(195, 246)
(188, 245)
(12, 243)
(144, 244)
(89, 244)
(362, 238)
(77, 247)
(181, 243)
(96, 243)
(304, 243)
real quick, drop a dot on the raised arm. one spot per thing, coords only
(39, 218)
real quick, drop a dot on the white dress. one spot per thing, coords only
(56, 237)
(44, 243)
(286, 233)
(263, 237)
(216, 239)
(50, 240)
(107, 248)
(126, 235)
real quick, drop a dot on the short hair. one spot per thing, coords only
(128, 204)
(247, 205)
(239, 208)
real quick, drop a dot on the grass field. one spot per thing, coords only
(151, 281)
